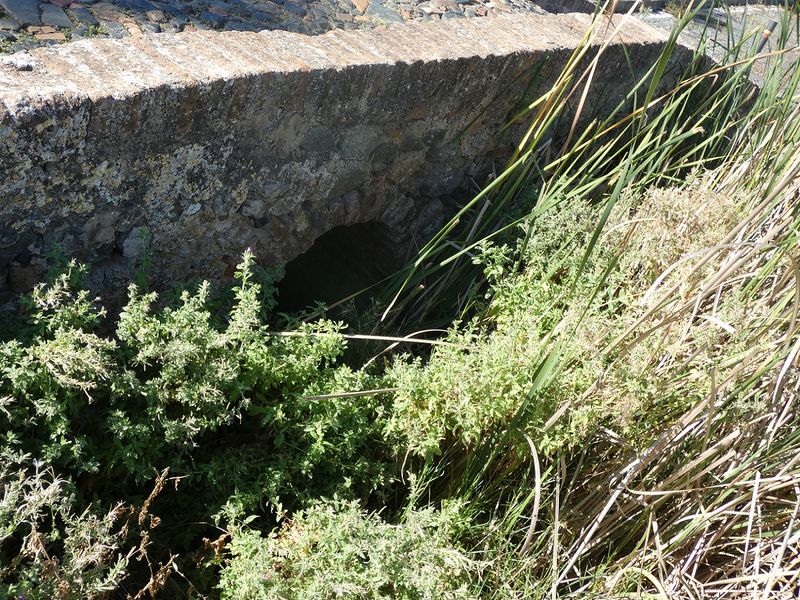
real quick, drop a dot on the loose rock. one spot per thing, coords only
(54, 37)
(114, 29)
(25, 12)
(156, 16)
(82, 15)
(55, 17)
(381, 13)
(9, 25)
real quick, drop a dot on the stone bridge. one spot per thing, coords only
(192, 147)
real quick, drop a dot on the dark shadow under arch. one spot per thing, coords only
(341, 262)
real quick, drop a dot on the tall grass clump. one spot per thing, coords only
(621, 409)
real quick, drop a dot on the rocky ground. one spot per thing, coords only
(26, 24)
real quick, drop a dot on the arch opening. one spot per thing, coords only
(341, 262)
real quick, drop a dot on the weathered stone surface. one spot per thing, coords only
(19, 62)
(142, 5)
(55, 16)
(25, 12)
(214, 20)
(295, 8)
(82, 15)
(149, 27)
(34, 29)
(156, 16)
(9, 25)
(107, 11)
(590, 6)
(55, 36)
(377, 10)
(212, 143)
(311, 17)
(114, 29)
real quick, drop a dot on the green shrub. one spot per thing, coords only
(488, 375)
(246, 418)
(335, 550)
(483, 376)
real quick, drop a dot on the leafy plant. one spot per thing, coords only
(334, 550)
(175, 383)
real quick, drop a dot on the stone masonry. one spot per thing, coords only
(195, 146)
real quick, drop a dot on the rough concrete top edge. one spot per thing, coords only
(101, 68)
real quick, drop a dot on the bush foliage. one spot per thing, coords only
(231, 409)
(335, 550)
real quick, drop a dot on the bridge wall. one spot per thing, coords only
(192, 147)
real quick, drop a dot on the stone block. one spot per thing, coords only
(54, 16)
(24, 12)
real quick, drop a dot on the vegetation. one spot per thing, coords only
(612, 410)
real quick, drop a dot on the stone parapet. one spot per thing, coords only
(193, 147)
